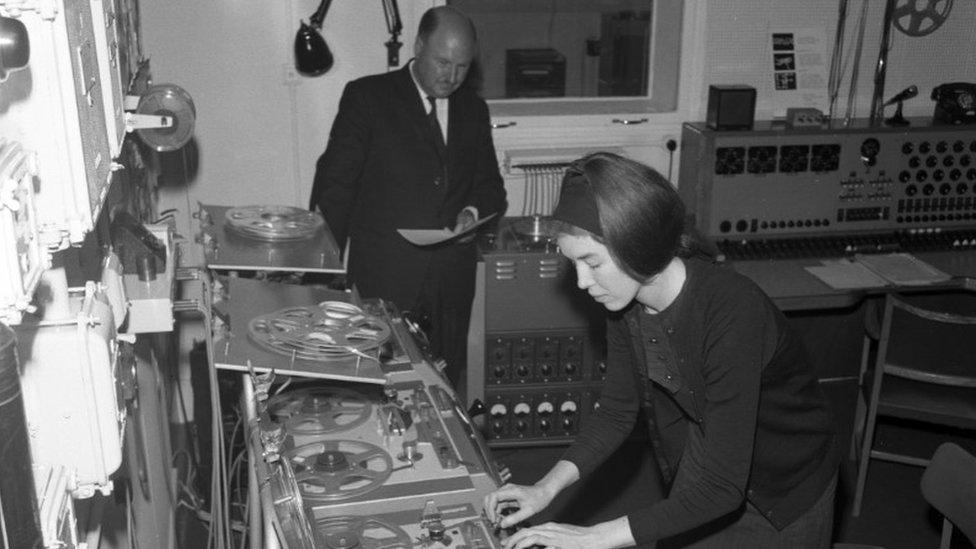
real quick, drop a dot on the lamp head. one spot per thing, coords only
(312, 54)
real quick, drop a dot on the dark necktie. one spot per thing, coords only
(435, 126)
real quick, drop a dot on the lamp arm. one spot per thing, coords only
(319, 15)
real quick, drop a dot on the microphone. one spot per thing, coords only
(907, 93)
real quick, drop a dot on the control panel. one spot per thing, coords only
(542, 361)
(779, 183)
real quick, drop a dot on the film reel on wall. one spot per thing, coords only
(920, 18)
(338, 470)
(319, 410)
(332, 330)
(273, 223)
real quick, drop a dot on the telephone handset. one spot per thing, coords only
(955, 103)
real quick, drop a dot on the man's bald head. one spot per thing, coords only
(445, 47)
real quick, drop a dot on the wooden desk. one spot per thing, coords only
(793, 288)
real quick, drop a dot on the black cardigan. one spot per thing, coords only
(742, 416)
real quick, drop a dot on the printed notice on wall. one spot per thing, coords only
(799, 69)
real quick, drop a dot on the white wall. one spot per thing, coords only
(261, 126)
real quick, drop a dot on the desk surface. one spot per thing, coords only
(793, 288)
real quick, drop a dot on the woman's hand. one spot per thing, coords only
(606, 535)
(525, 500)
(552, 535)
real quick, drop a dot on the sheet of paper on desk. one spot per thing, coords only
(428, 237)
(844, 274)
(902, 269)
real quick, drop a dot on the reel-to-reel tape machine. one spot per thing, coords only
(374, 466)
(366, 445)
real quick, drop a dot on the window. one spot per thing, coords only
(541, 57)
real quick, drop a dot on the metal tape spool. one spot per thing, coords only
(319, 410)
(330, 331)
(920, 17)
(273, 223)
(171, 101)
(337, 470)
(365, 531)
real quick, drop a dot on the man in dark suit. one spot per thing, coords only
(413, 149)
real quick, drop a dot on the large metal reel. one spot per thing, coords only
(920, 17)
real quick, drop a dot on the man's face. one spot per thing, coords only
(442, 60)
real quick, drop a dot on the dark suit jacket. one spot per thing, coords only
(382, 171)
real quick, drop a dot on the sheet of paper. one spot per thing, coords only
(429, 237)
(902, 269)
(844, 274)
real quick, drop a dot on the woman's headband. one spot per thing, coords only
(577, 203)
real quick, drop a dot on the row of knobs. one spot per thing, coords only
(546, 370)
(544, 410)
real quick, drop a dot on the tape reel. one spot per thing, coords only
(919, 18)
(365, 531)
(273, 223)
(331, 331)
(337, 470)
(174, 102)
(319, 410)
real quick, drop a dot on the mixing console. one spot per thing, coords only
(832, 190)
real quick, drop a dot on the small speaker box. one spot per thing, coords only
(731, 107)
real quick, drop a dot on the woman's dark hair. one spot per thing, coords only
(641, 215)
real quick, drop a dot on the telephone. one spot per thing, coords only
(955, 103)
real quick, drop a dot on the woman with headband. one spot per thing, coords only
(741, 431)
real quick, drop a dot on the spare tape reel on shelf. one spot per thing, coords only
(164, 117)
(920, 18)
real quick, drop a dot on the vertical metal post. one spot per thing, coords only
(877, 100)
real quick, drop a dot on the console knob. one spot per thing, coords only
(522, 370)
(569, 367)
(497, 427)
(499, 371)
(520, 425)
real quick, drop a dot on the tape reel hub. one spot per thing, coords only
(336, 470)
(273, 223)
(333, 330)
(319, 411)
(362, 532)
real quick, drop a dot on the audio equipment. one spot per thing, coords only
(332, 330)
(536, 349)
(360, 465)
(831, 191)
(267, 237)
(178, 117)
(731, 107)
(273, 223)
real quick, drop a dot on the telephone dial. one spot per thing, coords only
(955, 103)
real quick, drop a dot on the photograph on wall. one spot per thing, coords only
(798, 69)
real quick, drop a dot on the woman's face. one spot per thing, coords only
(598, 273)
